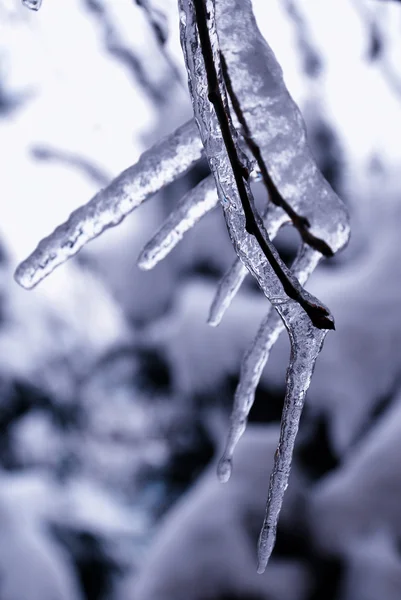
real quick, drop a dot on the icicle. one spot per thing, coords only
(233, 278)
(32, 4)
(254, 362)
(191, 208)
(306, 343)
(157, 167)
(226, 290)
(276, 125)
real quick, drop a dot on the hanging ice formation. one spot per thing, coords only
(227, 58)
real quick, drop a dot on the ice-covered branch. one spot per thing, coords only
(156, 168)
(231, 171)
(275, 124)
(207, 86)
(306, 343)
(282, 149)
(225, 52)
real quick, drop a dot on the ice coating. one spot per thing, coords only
(306, 340)
(232, 280)
(251, 65)
(32, 4)
(190, 209)
(254, 362)
(157, 167)
(276, 124)
(230, 167)
(306, 343)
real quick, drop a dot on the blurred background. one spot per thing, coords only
(115, 393)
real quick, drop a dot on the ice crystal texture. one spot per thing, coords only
(220, 39)
(156, 168)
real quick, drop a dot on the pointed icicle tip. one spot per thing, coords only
(261, 568)
(224, 469)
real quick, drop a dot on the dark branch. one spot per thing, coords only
(318, 314)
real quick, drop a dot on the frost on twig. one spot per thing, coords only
(227, 58)
(275, 128)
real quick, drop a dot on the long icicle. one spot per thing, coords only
(306, 344)
(156, 168)
(231, 169)
(275, 130)
(191, 208)
(254, 362)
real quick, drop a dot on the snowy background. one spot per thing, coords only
(115, 393)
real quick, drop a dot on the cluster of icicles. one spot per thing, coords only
(229, 53)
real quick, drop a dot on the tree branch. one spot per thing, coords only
(318, 314)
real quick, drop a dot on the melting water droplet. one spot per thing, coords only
(32, 4)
